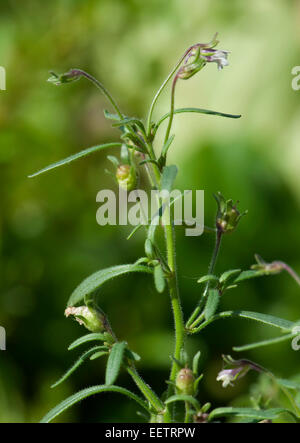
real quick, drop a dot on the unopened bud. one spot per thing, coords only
(228, 215)
(126, 177)
(185, 381)
(89, 317)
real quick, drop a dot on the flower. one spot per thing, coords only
(227, 376)
(202, 53)
(215, 56)
(126, 177)
(91, 318)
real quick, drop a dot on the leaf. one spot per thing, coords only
(183, 397)
(262, 414)
(196, 362)
(259, 344)
(246, 275)
(168, 177)
(111, 116)
(70, 401)
(280, 323)
(70, 159)
(167, 145)
(96, 280)
(290, 384)
(228, 275)
(132, 355)
(129, 121)
(98, 355)
(197, 381)
(114, 160)
(114, 362)
(78, 363)
(197, 111)
(208, 277)
(159, 278)
(87, 338)
(211, 304)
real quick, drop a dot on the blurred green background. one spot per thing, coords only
(50, 240)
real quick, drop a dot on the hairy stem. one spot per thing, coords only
(194, 319)
(153, 399)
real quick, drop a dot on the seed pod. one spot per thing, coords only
(185, 381)
(126, 177)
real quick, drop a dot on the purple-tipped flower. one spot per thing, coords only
(227, 376)
(239, 370)
(215, 56)
(202, 53)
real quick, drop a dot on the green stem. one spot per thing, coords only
(153, 399)
(101, 87)
(149, 119)
(171, 109)
(175, 300)
(194, 320)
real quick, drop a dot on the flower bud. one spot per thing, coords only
(185, 381)
(91, 318)
(126, 177)
(68, 77)
(228, 215)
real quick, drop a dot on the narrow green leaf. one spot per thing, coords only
(86, 338)
(168, 177)
(270, 320)
(78, 363)
(246, 275)
(208, 277)
(197, 381)
(111, 116)
(98, 355)
(167, 145)
(129, 121)
(211, 304)
(267, 414)
(114, 362)
(114, 160)
(228, 275)
(70, 401)
(132, 355)
(197, 111)
(159, 278)
(70, 159)
(183, 397)
(96, 280)
(196, 362)
(259, 344)
(290, 384)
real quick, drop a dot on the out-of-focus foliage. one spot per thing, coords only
(49, 237)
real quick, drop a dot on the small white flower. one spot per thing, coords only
(215, 56)
(227, 376)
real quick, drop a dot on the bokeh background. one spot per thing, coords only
(50, 240)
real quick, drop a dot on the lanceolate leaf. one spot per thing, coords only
(70, 401)
(87, 338)
(114, 362)
(197, 111)
(78, 363)
(168, 177)
(159, 279)
(246, 275)
(268, 414)
(70, 159)
(259, 344)
(280, 323)
(98, 355)
(212, 303)
(96, 280)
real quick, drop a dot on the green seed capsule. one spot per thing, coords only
(185, 381)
